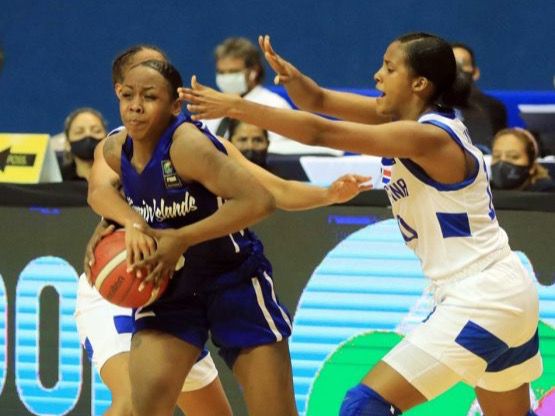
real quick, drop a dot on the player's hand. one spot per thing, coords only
(205, 102)
(163, 261)
(102, 230)
(285, 71)
(139, 246)
(347, 187)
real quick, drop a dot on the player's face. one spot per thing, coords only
(508, 148)
(146, 105)
(393, 79)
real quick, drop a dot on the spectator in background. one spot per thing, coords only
(84, 128)
(239, 70)
(252, 141)
(483, 115)
(514, 163)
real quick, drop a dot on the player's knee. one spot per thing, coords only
(361, 400)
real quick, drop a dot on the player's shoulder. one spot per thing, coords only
(112, 145)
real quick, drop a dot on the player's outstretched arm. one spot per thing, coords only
(296, 196)
(425, 144)
(309, 96)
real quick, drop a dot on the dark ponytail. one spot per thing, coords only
(459, 92)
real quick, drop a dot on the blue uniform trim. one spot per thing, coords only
(454, 224)
(407, 231)
(430, 314)
(417, 171)
(494, 351)
(123, 324)
(516, 355)
(89, 348)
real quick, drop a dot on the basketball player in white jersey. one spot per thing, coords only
(483, 330)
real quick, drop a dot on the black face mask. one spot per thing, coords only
(256, 156)
(84, 148)
(505, 175)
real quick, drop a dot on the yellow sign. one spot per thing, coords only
(27, 158)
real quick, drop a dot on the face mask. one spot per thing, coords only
(505, 175)
(84, 148)
(232, 83)
(257, 157)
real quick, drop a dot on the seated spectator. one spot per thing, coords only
(252, 141)
(84, 128)
(514, 163)
(239, 70)
(483, 115)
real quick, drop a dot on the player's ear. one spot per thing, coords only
(419, 84)
(117, 88)
(176, 107)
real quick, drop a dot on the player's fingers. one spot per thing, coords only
(195, 108)
(195, 84)
(87, 270)
(152, 277)
(107, 231)
(361, 178)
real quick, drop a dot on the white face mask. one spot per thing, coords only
(233, 83)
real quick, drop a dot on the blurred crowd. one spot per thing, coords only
(518, 159)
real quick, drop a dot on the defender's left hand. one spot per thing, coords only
(347, 187)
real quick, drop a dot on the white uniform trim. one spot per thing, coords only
(283, 314)
(264, 309)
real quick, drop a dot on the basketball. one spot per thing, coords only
(111, 278)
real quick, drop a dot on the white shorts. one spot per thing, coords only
(483, 331)
(105, 330)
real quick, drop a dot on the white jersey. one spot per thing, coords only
(452, 228)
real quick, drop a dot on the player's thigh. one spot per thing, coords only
(209, 400)
(264, 373)
(507, 403)
(158, 365)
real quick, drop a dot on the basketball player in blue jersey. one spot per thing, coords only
(483, 330)
(105, 329)
(183, 190)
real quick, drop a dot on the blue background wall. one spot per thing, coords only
(58, 53)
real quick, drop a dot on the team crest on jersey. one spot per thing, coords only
(171, 180)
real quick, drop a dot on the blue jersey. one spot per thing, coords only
(166, 201)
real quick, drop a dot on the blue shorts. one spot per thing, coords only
(246, 314)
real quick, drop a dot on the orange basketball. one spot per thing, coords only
(111, 279)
